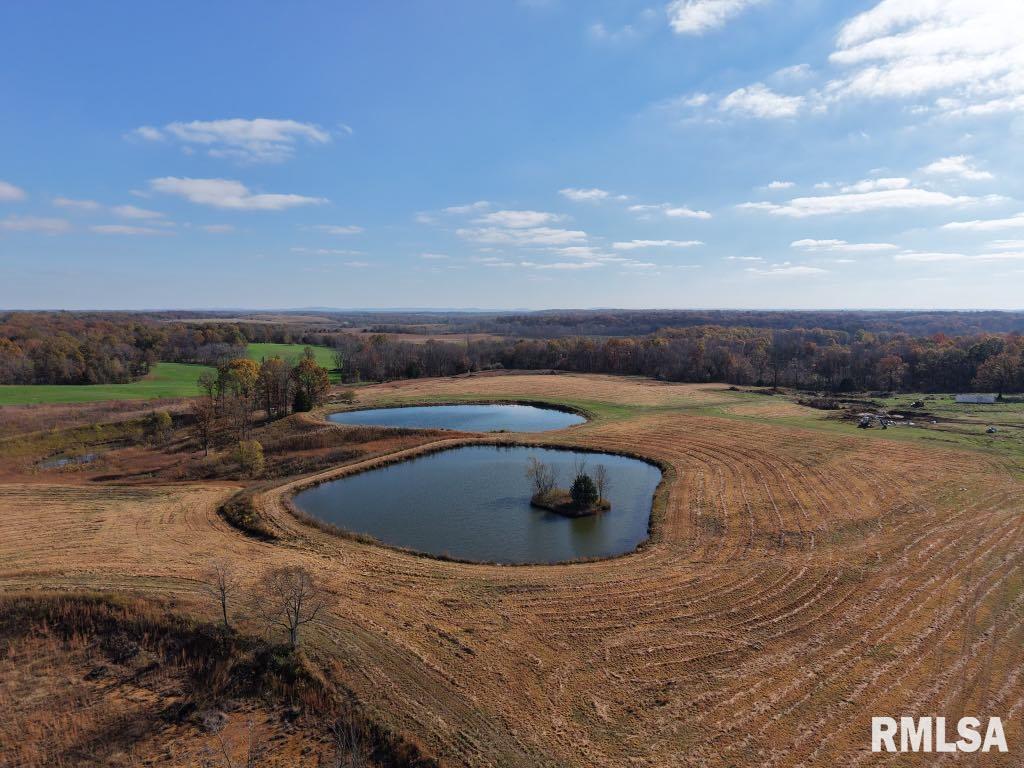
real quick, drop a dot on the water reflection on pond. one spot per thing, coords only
(465, 418)
(473, 503)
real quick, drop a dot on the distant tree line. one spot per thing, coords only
(641, 322)
(808, 359)
(94, 348)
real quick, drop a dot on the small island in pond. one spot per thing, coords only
(585, 497)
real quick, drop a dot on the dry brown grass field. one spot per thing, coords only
(797, 582)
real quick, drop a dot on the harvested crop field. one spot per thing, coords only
(797, 582)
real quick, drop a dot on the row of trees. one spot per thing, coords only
(807, 359)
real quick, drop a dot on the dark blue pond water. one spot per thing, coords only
(465, 418)
(473, 503)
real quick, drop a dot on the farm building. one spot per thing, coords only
(977, 398)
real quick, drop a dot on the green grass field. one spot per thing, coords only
(291, 352)
(165, 380)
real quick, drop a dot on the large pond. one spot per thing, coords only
(465, 418)
(473, 503)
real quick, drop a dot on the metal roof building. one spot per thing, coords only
(977, 398)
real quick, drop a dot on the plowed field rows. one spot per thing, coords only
(797, 582)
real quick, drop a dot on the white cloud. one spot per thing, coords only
(126, 229)
(148, 133)
(781, 185)
(479, 205)
(988, 225)
(79, 205)
(841, 246)
(519, 219)
(325, 251)
(1003, 245)
(335, 229)
(522, 235)
(257, 140)
(795, 72)
(9, 192)
(600, 33)
(225, 193)
(861, 202)
(928, 256)
(34, 224)
(758, 100)
(940, 256)
(744, 258)
(566, 265)
(682, 212)
(630, 245)
(133, 212)
(695, 17)
(672, 211)
(970, 53)
(871, 185)
(957, 165)
(787, 270)
(592, 195)
(433, 256)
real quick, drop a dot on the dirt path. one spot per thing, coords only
(797, 584)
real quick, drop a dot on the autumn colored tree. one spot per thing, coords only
(891, 369)
(275, 387)
(311, 383)
(1002, 373)
(204, 422)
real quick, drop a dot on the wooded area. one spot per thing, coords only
(775, 349)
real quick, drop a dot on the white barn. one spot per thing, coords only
(977, 398)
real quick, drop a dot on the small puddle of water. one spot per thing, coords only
(59, 462)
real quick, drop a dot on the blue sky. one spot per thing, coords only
(530, 154)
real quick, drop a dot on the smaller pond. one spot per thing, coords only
(464, 418)
(59, 462)
(473, 503)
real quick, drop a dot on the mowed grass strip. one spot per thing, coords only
(164, 380)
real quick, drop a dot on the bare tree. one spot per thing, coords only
(579, 466)
(222, 583)
(602, 481)
(221, 756)
(289, 597)
(204, 424)
(350, 749)
(542, 476)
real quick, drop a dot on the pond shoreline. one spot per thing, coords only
(470, 417)
(449, 509)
